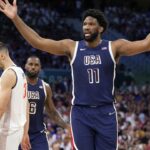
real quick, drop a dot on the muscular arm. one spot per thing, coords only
(51, 110)
(6, 86)
(62, 47)
(127, 48)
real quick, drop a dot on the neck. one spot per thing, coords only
(93, 43)
(8, 63)
(32, 80)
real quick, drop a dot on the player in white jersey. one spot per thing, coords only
(13, 102)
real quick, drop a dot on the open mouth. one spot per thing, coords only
(87, 34)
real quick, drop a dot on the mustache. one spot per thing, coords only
(32, 74)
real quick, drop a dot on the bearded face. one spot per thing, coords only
(90, 37)
(33, 67)
(91, 29)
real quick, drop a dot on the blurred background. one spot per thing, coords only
(60, 19)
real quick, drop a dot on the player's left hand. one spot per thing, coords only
(25, 144)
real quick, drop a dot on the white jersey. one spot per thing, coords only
(15, 116)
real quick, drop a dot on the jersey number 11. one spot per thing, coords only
(93, 75)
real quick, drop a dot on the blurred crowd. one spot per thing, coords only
(133, 109)
(49, 20)
(132, 100)
(131, 23)
(133, 116)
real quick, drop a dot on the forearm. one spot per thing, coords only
(26, 126)
(55, 116)
(4, 100)
(30, 35)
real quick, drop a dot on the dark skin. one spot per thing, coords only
(120, 47)
(51, 110)
(33, 66)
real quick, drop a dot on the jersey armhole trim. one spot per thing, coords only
(75, 53)
(111, 53)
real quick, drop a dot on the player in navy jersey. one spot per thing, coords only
(93, 62)
(39, 95)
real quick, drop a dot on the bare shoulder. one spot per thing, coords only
(9, 73)
(6, 76)
(46, 84)
(47, 87)
(117, 46)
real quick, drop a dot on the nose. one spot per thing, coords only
(86, 27)
(33, 67)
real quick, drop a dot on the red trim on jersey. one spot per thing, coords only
(72, 141)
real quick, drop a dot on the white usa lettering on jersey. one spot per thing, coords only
(92, 60)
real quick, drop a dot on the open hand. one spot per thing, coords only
(9, 10)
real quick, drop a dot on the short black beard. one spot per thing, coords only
(92, 37)
(32, 75)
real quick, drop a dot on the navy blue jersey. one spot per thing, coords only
(36, 97)
(93, 74)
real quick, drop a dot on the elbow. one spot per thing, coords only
(34, 44)
(147, 43)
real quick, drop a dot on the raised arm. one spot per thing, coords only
(123, 47)
(6, 86)
(62, 47)
(51, 110)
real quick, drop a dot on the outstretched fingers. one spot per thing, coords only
(1, 9)
(6, 1)
(2, 4)
(15, 2)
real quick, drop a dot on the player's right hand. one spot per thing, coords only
(9, 10)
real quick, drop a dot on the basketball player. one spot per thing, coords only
(93, 62)
(39, 95)
(13, 102)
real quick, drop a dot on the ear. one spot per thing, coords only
(2, 56)
(101, 29)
